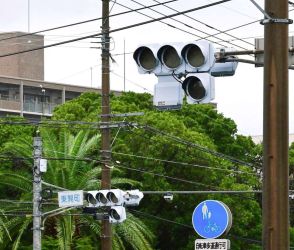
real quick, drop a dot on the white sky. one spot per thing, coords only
(238, 97)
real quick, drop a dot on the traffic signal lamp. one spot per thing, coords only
(199, 88)
(198, 56)
(113, 197)
(117, 214)
(146, 59)
(173, 61)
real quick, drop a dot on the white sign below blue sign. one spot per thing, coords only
(211, 219)
(217, 244)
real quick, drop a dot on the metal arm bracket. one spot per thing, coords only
(268, 19)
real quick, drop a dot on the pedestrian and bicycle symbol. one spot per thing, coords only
(211, 219)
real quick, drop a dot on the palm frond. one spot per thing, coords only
(21, 230)
(65, 229)
(3, 228)
(17, 181)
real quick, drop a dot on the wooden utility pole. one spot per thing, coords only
(105, 111)
(275, 128)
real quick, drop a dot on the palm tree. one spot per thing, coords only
(67, 168)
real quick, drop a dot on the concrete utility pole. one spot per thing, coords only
(106, 234)
(275, 128)
(37, 188)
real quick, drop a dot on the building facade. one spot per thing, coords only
(23, 90)
(34, 98)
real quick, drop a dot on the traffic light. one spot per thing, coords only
(146, 59)
(113, 197)
(117, 214)
(171, 63)
(199, 88)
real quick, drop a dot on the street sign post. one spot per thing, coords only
(217, 244)
(211, 219)
(70, 198)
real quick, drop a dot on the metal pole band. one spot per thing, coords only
(276, 20)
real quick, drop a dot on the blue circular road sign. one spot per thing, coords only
(211, 219)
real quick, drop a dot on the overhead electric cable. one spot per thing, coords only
(189, 26)
(83, 22)
(185, 164)
(204, 149)
(188, 226)
(170, 25)
(205, 24)
(117, 29)
(136, 84)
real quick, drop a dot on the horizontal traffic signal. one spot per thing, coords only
(113, 197)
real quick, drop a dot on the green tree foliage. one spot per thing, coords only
(65, 169)
(195, 148)
(138, 152)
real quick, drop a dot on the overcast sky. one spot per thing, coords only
(239, 97)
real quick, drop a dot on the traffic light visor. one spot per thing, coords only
(114, 214)
(112, 197)
(91, 199)
(194, 88)
(169, 57)
(101, 198)
(145, 58)
(193, 55)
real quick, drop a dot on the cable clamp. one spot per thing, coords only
(276, 20)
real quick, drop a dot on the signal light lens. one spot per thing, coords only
(91, 199)
(101, 198)
(193, 55)
(114, 214)
(112, 197)
(169, 57)
(194, 88)
(146, 59)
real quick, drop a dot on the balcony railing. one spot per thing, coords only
(9, 102)
(42, 108)
(13, 103)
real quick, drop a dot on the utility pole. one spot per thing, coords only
(275, 128)
(37, 187)
(106, 234)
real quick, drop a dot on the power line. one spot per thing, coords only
(117, 29)
(83, 22)
(205, 24)
(123, 166)
(185, 164)
(172, 26)
(199, 147)
(120, 165)
(160, 218)
(138, 85)
(253, 241)
(146, 127)
(205, 192)
(185, 24)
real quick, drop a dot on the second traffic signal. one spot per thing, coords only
(113, 197)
